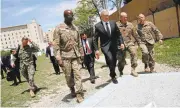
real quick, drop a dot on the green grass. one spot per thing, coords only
(167, 53)
(12, 96)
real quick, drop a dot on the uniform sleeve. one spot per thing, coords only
(56, 42)
(156, 31)
(34, 47)
(80, 45)
(135, 34)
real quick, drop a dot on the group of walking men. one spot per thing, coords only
(115, 39)
(69, 46)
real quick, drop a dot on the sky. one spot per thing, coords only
(47, 13)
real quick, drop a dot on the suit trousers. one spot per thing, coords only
(89, 62)
(55, 64)
(111, 60)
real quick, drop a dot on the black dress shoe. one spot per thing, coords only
(114, 80)
(92, 81)
(14, 84)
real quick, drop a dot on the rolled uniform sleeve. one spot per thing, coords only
(135, 35)
(56, 42)
(34, 47)
(157, 33)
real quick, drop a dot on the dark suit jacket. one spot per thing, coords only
(48, 51)
(91, 45)
(113, 41)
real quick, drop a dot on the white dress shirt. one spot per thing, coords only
(104, 24)
(51, 51)
(12, 59)
(84, 46)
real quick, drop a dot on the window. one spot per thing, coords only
(4, 35)
(19, 32)
(34, 26)
(16, 33)
(12, 33)
(6, 42)
(8, 34)
(9, 39)
(5, 39)
(27, 31)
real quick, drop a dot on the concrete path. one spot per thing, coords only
(147, 90)
(160, 89)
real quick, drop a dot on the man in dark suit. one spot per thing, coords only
(50, 52)
(110, 39)
(89, 56)
(15, 65)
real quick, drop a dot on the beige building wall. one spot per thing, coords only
(11, 36)
(48, 36)
(166, 21)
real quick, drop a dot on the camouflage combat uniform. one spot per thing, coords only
(131, 39)
(148, 34)
(26, 63)
(68, 47)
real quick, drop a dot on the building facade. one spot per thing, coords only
(11, 36)
(48, 36)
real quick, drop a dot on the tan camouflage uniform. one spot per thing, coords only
(68, 47)
(131, 39)
(26, 63)
(148, 34)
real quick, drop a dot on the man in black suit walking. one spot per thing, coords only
(110, 39)
(50, 52)
(89, 55)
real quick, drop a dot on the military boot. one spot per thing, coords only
(73, 93)
(32, 93)
(152, 69)
(79, 98)
(133, 72)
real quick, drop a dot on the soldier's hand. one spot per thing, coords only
(29, 40)
(160, 41)
(122, 46)
(60, 62)
(97, 54)
(12, 65)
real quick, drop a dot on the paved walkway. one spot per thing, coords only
(147, 90)
(154, 90)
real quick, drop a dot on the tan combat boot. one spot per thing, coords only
(79, 98)
(133, 72)
(73, 93)
(152, 70)
(32, 93)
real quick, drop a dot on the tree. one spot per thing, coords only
(117, 5)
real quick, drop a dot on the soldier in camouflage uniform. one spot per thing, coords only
(68, 50)
(148, 33)
(131, 39)
(25, 55)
